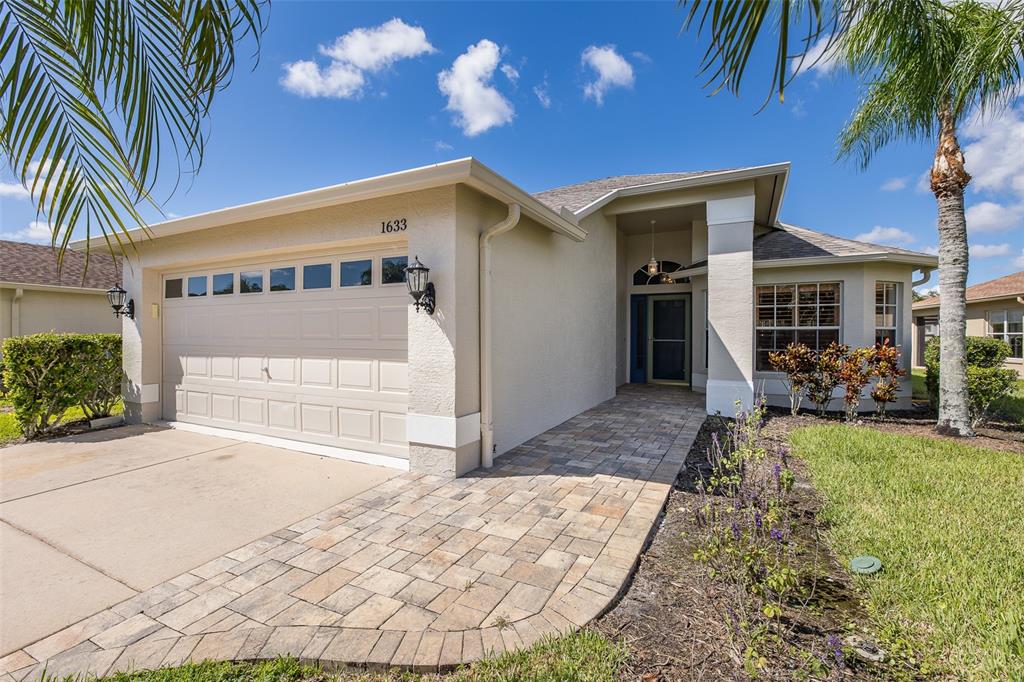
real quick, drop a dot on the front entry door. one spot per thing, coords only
(668, 333)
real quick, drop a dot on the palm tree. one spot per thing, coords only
(92, 91)
(926, 66)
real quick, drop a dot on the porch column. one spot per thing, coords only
(141, 345)
(730, 302)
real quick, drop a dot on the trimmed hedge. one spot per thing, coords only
(987, 381)
(45, 374)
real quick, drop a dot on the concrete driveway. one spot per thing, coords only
(88, 521)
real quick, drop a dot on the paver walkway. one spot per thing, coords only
(419, 572)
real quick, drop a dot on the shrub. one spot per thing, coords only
(885, 365)
(797, 362)
(826, 376)
(854, 375)
(987, 381)
(48, 373)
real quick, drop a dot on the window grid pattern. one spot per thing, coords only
(886, 312)
(1008, 326)
(807, 313)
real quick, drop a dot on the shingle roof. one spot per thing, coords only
(1003, 287)
(575, 197)
(35, 264)
(790, 241)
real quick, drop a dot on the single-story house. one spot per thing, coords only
(994, 308)
(37, 297)
(288, 321)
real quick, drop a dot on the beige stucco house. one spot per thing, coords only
(36, 296)
(994, 308)
(288, 321)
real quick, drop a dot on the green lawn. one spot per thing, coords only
(9, 430)
(1011, 407)
(946, 520)
(583, 656)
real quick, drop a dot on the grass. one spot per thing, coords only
(1010, 407)
(945, 519)
(585, 656)
(10, 431)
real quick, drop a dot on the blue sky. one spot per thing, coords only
(550, 94)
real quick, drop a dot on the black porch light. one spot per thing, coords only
(417, 278)
(115, 297)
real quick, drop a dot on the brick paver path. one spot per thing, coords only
(420, 572)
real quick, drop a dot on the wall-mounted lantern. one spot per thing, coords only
(115, 297)
(417, 277)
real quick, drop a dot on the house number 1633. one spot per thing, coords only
(396, 225)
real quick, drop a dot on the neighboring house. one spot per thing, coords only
(994, 308)
(288, 321)
(35, 297)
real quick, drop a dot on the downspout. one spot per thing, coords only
(486, 396)
(926, 274)
(16, 312)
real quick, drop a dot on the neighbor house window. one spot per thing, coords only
(357, 273)
(886, 301)
(172, 288)
(795, 313)
(282, 279)
(250, 282)
(316, 276)
(1008, 326)
(224, 284)
(197, 286)
(393, 269)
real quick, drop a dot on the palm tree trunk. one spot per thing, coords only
(948, 180)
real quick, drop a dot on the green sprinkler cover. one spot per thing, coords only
(865, 565)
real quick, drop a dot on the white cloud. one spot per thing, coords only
(641, 56)
(37, 231)
(1019, 260)
(989, 216)
(611, 69)
(541, 91)
(15, 190)
(890, 236)
(799, 110)
(924, 182)
(442, 146)
(511, 73)
(989, 250)
(477, 105)
(353, 55)
(993, 156)
(894, 184)
(816, 60)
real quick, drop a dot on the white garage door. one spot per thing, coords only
(310, 349)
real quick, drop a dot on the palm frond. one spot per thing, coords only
(92, 92)
(986, 71)
(734, 28)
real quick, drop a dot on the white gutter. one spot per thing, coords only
(486, 394)
(926, 274)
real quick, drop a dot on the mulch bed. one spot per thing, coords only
(675, 619)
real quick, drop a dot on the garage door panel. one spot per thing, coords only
(326, 366)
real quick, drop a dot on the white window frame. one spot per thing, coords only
(1006, 334)
(838, 327)
(897, 294)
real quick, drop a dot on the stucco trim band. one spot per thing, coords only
(442, 432)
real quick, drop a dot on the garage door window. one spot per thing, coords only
(357, 273)
(197, 286)
(250, 282)
(172, 288)
(282, 279)
(224, 284)
(316, 276)
(393, 269)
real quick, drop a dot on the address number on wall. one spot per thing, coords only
(395, 225)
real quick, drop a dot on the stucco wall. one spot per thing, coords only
(44, 311)
(858, 318)
(977, 325)
(554, 327)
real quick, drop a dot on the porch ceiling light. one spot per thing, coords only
(417, 278)
(115, 297)
(652, 265)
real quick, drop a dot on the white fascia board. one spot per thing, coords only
(466, 170)
(922, 260)
(714, 178)
(54, 288)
